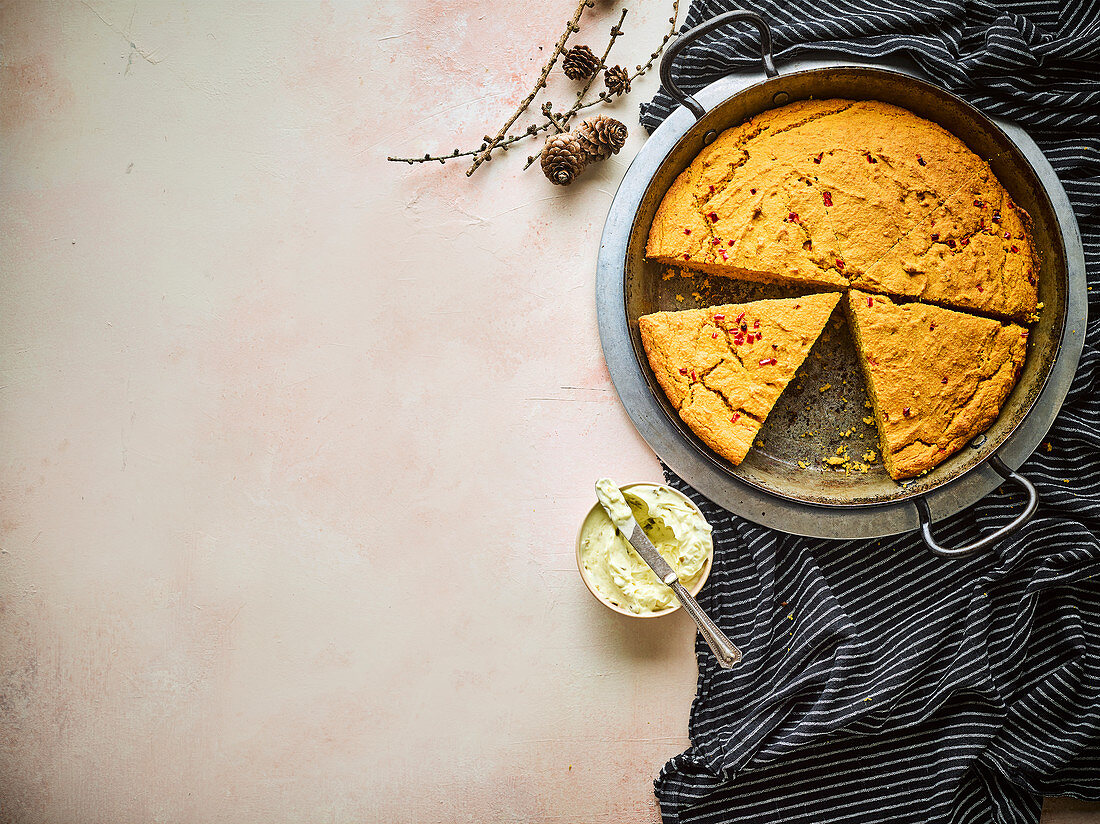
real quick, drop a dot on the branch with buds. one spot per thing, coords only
(578, 59)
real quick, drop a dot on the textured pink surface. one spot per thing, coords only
(296, 441)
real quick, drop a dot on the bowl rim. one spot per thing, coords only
(694, 589)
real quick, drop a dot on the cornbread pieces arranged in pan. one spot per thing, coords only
(724, 367)
(937, 378)
(838, 192)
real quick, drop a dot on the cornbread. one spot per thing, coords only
(936, 377)
(974, 252)
(724, 367)
(839, 192)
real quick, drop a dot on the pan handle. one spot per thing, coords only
(690, 36)
(982, 543)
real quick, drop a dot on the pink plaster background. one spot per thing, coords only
(294, 442)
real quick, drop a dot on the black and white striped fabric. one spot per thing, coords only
(881, 683)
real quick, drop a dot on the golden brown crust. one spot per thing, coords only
(708, 415)
(936, 377)
(825, 192)
(724, 367)
(960, 256)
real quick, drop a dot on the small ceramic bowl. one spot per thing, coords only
(597, 511)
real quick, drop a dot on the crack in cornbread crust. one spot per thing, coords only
(960, 257)
(907, 352)
(869, 283)
(764, 246)
(856, 273)
(724, 390)
(894, 180)
(739, 138)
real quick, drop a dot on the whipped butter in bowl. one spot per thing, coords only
(617, 575)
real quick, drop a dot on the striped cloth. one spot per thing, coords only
(881, 683)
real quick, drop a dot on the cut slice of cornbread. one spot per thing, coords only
(724, 367)
(936, 377)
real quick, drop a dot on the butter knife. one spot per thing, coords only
(618, 510)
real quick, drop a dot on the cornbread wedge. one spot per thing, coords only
(724, 367)
(936, 377)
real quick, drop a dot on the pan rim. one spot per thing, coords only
(746, 494)
(903, 493)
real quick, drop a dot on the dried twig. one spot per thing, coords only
(562, 122)
(492, 142)
(616, 32)
(502, 145)
(640, 70)
(555, 121)
(503, 141)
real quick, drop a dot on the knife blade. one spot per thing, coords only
(644, 547)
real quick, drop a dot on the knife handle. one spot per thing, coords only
(723, 649)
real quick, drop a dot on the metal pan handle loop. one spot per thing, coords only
(690, 36)
(982, 543)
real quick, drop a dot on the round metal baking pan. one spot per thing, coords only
(769, 487)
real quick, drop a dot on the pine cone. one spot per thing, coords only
(580, 63)
(602, 136)
(617, 80)
(563, 157)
